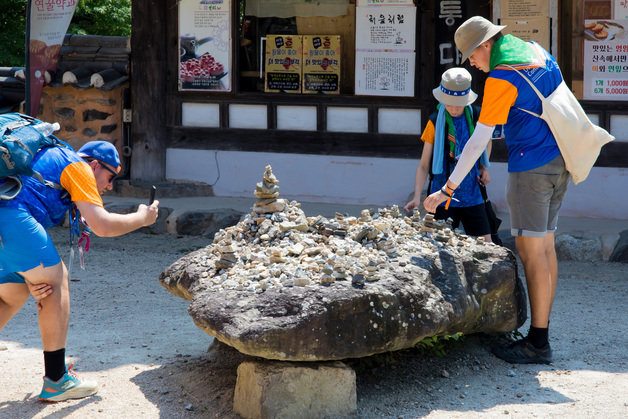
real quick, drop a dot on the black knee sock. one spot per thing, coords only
(538, 336)
(54, 364)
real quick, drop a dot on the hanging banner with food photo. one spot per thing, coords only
(46, 25)
(205, 45)
(605, 60)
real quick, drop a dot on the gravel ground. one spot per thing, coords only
(151, 361)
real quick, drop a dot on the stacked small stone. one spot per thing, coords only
(365, 216)
(340, 272)
(327, 277)
(394, 211)
(371, 271)
(227, 257)
(416, 216)
(267, 192)
(429, 224)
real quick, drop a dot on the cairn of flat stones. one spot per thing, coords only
(285, 248)
(267, 192)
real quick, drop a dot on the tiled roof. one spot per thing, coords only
(85, 61)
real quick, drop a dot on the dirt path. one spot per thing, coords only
(151, 361)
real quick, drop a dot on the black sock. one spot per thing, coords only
(54, 364)
(538, 336)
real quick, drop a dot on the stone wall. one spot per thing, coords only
(84, 114)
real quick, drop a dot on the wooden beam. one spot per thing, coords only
(299, 142)
(338, 143)
(148, 91)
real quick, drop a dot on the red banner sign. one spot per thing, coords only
(47, 23)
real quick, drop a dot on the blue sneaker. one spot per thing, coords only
(68, 387)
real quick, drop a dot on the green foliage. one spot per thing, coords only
(91, 17)
(102, 17)
(439, 345)
(12, 27)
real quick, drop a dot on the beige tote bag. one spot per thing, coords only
(578, 139)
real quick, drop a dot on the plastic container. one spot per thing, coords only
(47, 128)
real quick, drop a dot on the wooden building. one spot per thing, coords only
(348, 147)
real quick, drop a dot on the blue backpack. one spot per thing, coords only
(21, 138)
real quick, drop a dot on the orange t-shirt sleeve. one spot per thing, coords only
(428, 133)
(499, 96)
(78, 179)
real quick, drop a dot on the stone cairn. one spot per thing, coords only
(276, 245)
(267, 192)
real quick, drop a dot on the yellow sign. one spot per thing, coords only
(321, 64)
(284, 56)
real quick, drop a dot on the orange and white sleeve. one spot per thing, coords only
(499, 96)
(78, 179)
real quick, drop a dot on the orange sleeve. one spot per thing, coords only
(428, 133)
(499, 96)
(78, 179)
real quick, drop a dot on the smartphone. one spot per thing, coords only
(153, 189)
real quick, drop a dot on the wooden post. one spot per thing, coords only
(148, 91)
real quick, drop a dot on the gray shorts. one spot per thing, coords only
(534, 198)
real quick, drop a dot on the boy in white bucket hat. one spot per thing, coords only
(537, 179)
(445, 135)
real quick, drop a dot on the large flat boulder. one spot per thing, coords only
(289, 309)
(280, 285)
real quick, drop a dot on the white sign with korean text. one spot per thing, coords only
(385, 27)
(620, 9)
(606, 60)
(384, 73)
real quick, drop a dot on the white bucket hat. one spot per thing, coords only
(455, 88)
(473, 32)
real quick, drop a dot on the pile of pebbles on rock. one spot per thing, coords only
(277, 245)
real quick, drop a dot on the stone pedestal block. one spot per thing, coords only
(295, 390)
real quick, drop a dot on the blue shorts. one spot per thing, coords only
(24, 245)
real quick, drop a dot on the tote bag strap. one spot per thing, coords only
(536, 90)
(538, 93)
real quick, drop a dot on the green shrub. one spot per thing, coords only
(439, 345)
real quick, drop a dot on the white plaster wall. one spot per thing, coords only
(301, 118)
(370, 181)
(399, 121)
(341, 119)
(619, 127)
(200, 114)
(307, 178)
(248, 116)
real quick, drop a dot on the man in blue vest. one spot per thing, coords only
(29, 260)
(537, 178)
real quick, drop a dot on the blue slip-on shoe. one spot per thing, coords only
(70, 386)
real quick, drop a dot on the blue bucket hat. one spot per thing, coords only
(102, 151)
